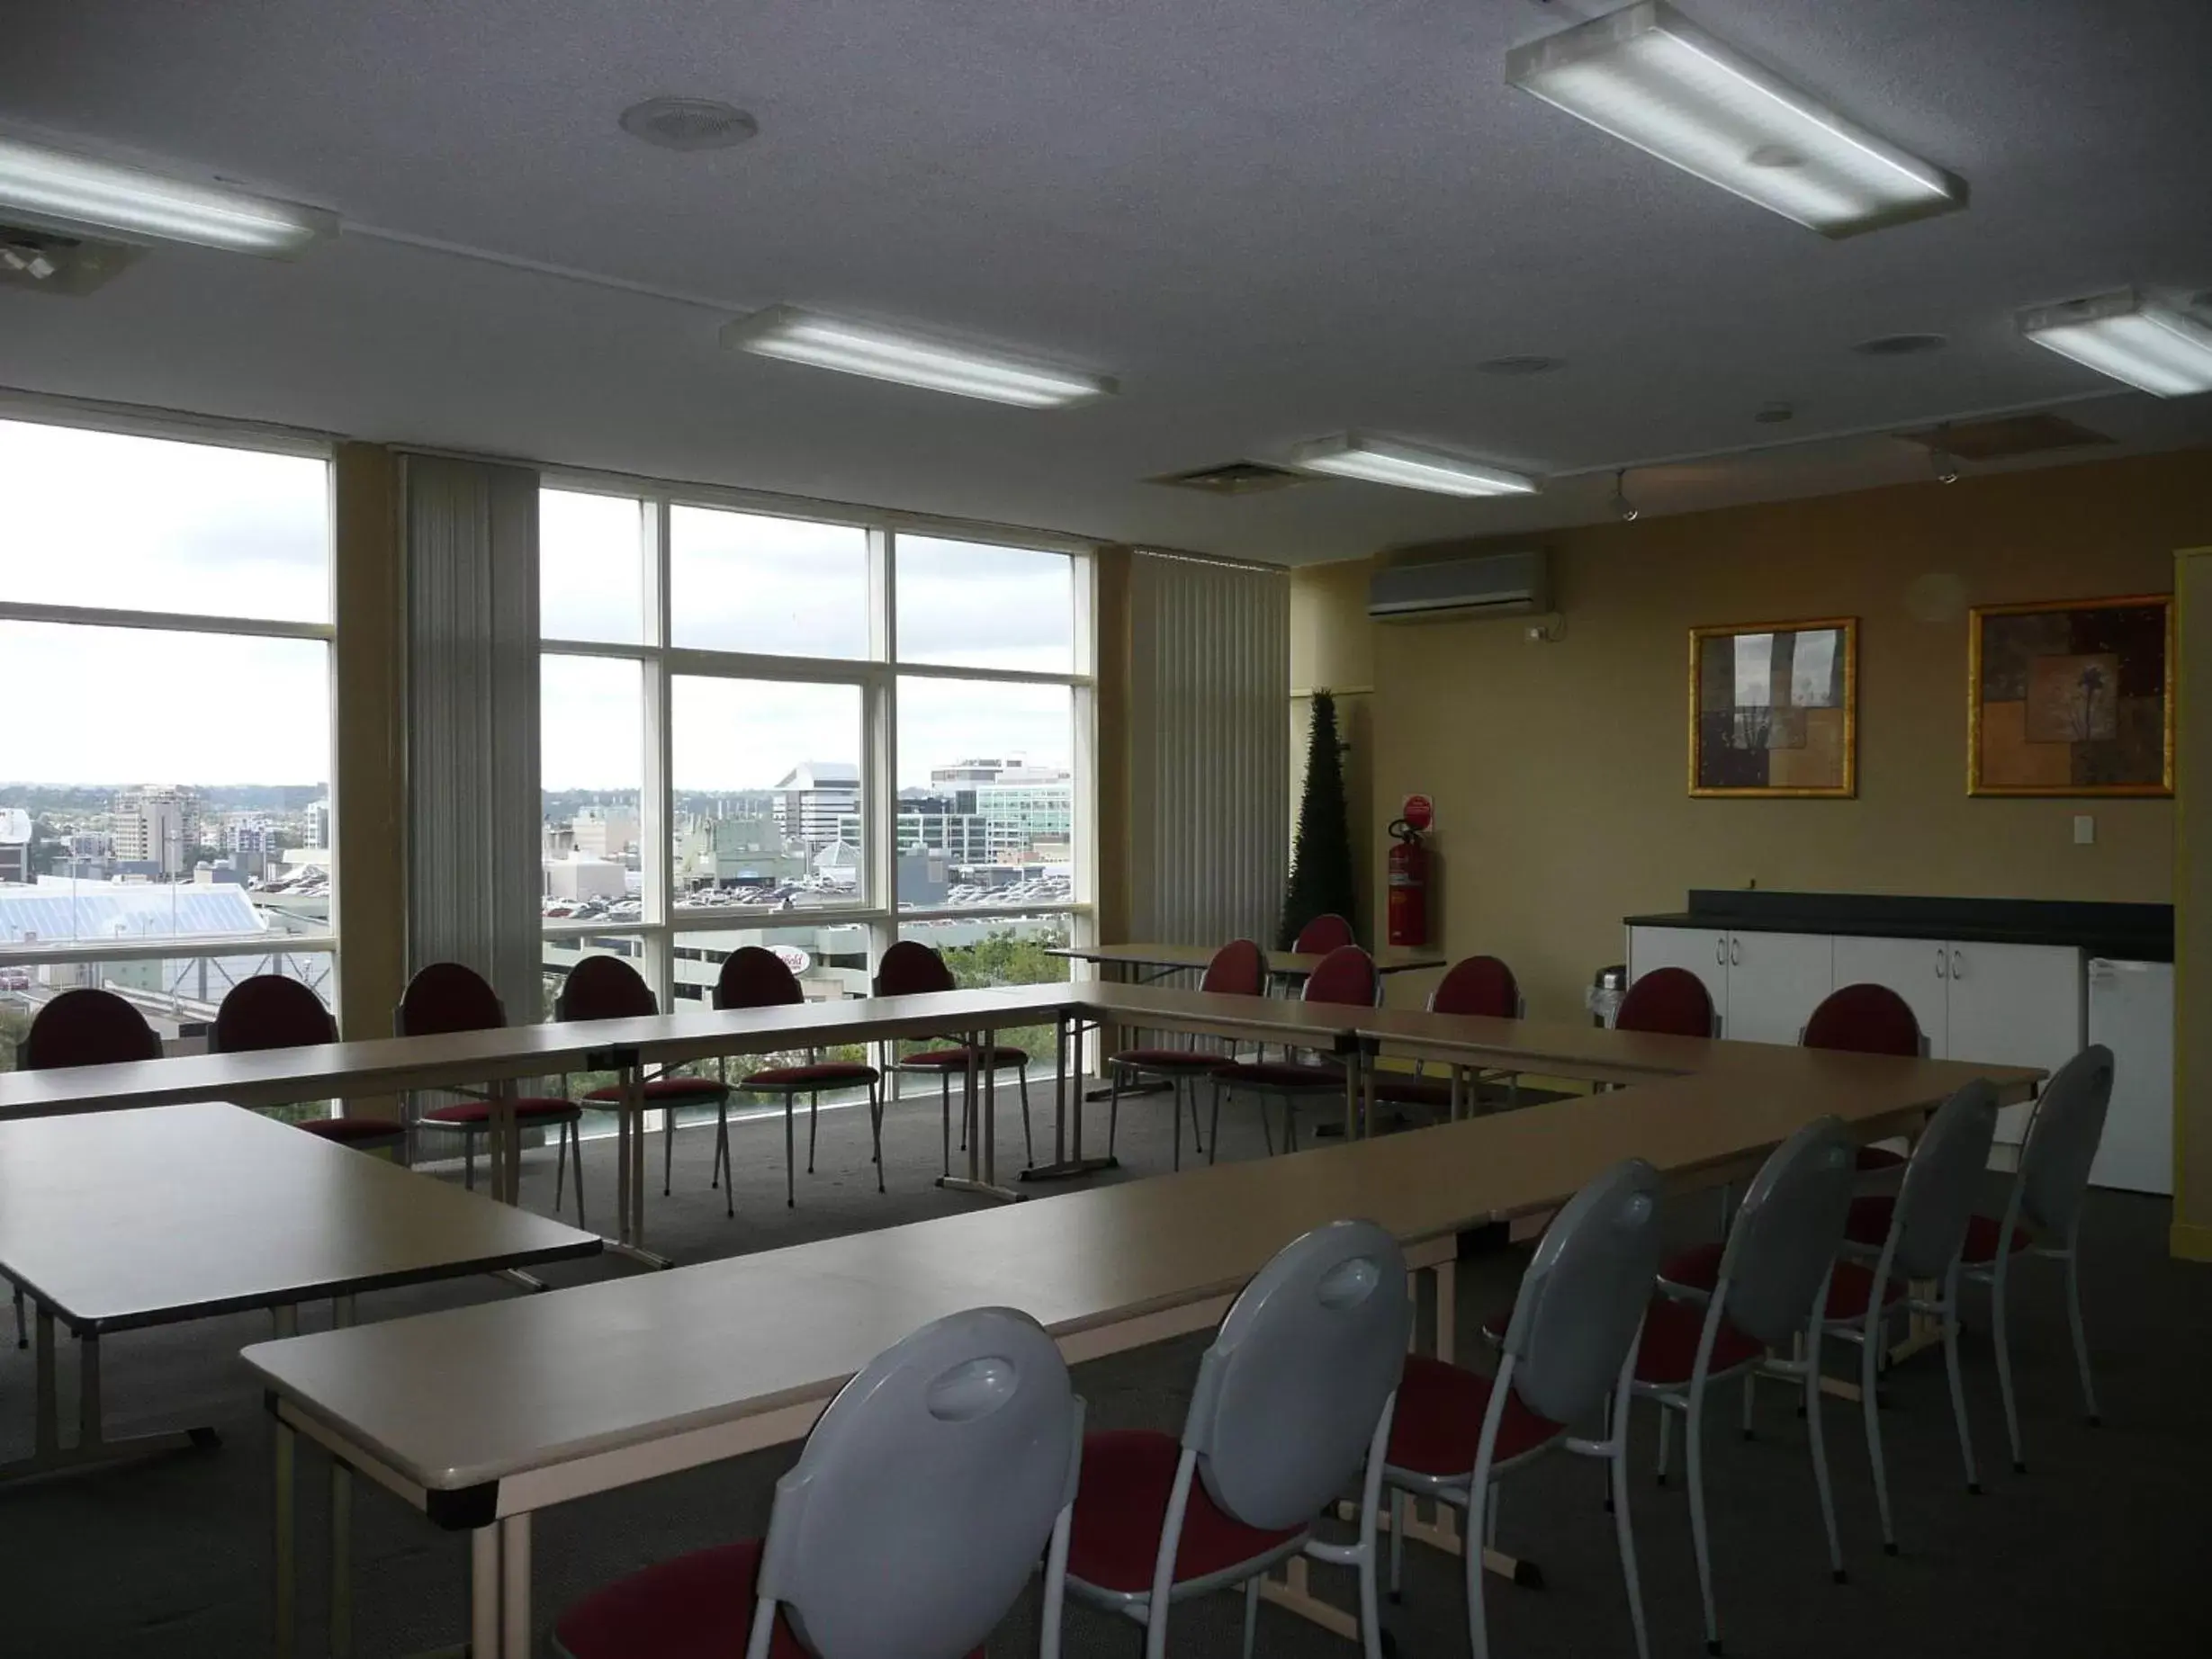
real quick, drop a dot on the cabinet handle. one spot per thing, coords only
(1735, 952)
(1720, 952)
(1941, 972)
(1958, 964)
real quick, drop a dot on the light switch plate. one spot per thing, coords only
(2084, 829)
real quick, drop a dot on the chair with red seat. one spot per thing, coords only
(86, 1026)
(911, 968)
(447, 997)
(757, 977)
(909, 1527)
(1345, 976)
(1771, 1285)
(1325, 933)
(1669, 1002)
(1867, 1020)
(1569, 1351)
(2042, 1215)
(1481, 986)
(1291, 1401)
(609, 988)
(1922, 1246)
(271, 1011)
(1238, 969)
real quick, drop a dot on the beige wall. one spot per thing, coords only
(1332, 650)
(2192, 993)
(1558, 768)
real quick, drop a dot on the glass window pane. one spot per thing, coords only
(975, 607)
(175, 993)
(590, 567)
(986, 794)
(743, 582)
(591, 711)
(143, 826)
(768, 794)
(104, 519)
(1001, 950)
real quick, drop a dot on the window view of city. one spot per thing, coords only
(160, 856)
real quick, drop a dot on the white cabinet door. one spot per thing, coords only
(1918, 970)
(2015, 1005)
(2131, 1012)
(1775, 981)
(1703, 951)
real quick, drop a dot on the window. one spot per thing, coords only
(831, 735)
(166, 824)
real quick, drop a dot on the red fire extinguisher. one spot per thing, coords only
(1409, 885)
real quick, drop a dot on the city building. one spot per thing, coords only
(158, 826)
(15, 832)
(605, 832)
(813, 797)
(583, 875)
(1029, 814)
(946, 825)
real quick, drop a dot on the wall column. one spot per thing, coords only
(2192, 907)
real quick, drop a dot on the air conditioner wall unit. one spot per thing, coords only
(1447, 589)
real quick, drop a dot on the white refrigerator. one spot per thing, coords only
(2131, 1012)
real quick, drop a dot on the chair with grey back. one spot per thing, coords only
(1765, 1289)
(1569, 1353)
(922, 1503)
(1919, 1249)
(1292, 1400)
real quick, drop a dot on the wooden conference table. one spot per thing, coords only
(454, 1412)
(131, 1219)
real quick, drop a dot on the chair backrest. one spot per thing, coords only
(1936, 1201)
(911, 967)
(1325, 933)
(1346, 975)
(1865, 1019)
(919, 1507)
(1477, 985)
(270, 1011)
(1289, 1394)
(1787, 1232)
(757, 977)
(2061, 1139)
(1582, 1300)
(446, 997)
(605, 988)
(1238, 969)
(1670, 1001)
(86, 1026)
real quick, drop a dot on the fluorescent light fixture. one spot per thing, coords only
(1384, 461)
(61, 191)
(2121, 335)
(862, 348)
(1650, 77)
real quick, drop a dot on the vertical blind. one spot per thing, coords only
(473, 807)
(1209, 680)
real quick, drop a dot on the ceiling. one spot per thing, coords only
(1270, 221)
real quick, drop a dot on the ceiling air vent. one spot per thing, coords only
(1235, 478)
(54, 263)
(2006, 438)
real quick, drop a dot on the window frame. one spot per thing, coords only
(177, 428)
(661, 928)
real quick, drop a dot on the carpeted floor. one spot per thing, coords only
(2095, 1550)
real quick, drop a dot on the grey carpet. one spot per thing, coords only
(2095, 1550)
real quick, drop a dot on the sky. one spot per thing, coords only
(101, 519)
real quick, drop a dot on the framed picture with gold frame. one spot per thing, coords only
(1773, 709)
(2070, 697)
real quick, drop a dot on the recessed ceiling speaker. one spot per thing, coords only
(688, 123)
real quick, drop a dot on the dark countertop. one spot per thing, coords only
(2124, 932)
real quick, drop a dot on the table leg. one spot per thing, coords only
(486, 1604)
(285, 1612)
(506, 1145)
(977, 1104)
(630, 1162)
(515, 1587)
(49, 1443)
(341, 1526)
(1067, 1155)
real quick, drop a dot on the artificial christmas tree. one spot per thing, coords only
(1322, 879)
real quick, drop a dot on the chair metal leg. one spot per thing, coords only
(875, 1124)
(1694, 1454)
(1666, 1445)
(722, 1153)
(575, 1139)
(1398, 1539)
(1029, 1145)
(1174, 1119)
(1820, 1447)
(814, 1127)
(1213, 1134)
(561, 1169)
(1999, 1295)
(791, 1183)
(1621, 1531)
(1869, 1357)
(1478, 1494)
(1750, 1379)
(1267, 1134)
(2073, 1320)
(668, 1149)
(1958, 1384)
(1194, 1141)
(945, 1105)
(22, 1331)
(467, 1162)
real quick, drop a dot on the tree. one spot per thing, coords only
(1322, 879)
